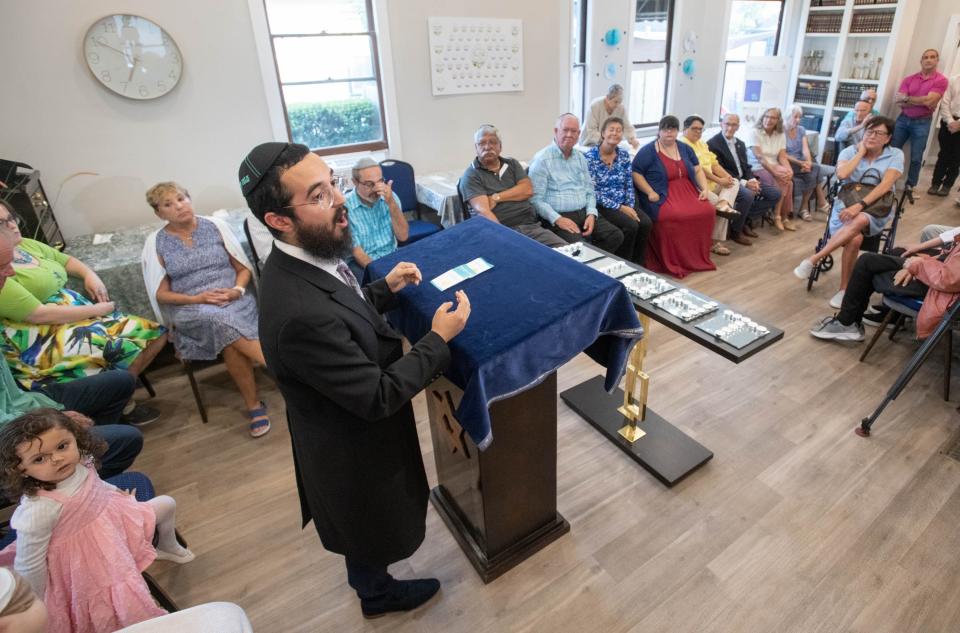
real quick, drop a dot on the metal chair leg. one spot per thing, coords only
(877, 335)
(196, 391)
(897, 325)
(948, 365)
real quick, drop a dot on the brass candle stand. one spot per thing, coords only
(634, 407)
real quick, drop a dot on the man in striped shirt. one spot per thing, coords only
(373, 211)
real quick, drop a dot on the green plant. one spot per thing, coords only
(331, 123)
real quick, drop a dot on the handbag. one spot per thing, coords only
(853, 192)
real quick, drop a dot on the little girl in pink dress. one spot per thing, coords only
(81, 543)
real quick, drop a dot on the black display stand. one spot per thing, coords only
(665, 451)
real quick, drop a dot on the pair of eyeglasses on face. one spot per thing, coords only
(880, 133)
(11, 221)
(370, 184)
(323, 195)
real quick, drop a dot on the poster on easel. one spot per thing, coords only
(766, 85)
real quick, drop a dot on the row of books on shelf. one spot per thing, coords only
(876, 22)
(814, 92)
(841, 3)
(824, 22)
(847, 95)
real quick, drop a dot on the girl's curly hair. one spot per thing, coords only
(28, 428)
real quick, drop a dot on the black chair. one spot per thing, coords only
(904, 308)
(943, 329)
(405, 186)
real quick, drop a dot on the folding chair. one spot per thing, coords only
(880, 243)
(143, 491)
(405, 186)
(944, 328)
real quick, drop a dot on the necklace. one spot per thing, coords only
(22, 257)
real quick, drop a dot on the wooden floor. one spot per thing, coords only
(796, 525)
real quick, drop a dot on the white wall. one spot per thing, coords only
(437, 132)
(57, 118)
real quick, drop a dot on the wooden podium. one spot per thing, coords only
(500, 504)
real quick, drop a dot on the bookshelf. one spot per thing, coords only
(846, 47)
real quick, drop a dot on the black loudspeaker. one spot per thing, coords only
(25, 193)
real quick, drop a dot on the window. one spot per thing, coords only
(754, 30)
(327, 61)
(650, 57)
(578, 70)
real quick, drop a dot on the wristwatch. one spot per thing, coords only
(496, 197)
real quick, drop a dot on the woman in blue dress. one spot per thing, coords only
(849, 225)
(201, 288)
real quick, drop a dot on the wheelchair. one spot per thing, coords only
(881, 243)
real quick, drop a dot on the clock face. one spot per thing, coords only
(132, 56)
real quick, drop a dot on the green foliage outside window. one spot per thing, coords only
(319, 125)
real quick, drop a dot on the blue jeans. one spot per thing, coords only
(915, 131)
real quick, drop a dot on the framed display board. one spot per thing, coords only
(469, 55)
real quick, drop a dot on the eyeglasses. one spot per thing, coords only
(370, 184)
(11, 221)
(696, 129)
(324, 196)
(876, 133)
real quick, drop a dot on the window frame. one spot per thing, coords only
(668, 50)
(727, 62)
(371, 32)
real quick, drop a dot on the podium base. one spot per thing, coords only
(495, 566)
(665, 451)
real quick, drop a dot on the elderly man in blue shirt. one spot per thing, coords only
(563, 190)
(374, 214)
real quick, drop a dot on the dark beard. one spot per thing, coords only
(321, 241)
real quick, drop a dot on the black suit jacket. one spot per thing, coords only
(347, 386)
(718, 145)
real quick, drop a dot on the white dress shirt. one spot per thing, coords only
(950, 102)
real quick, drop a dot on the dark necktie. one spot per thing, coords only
(348, 278)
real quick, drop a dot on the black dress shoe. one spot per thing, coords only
(944, 191)
(403, 595)
(934, 190)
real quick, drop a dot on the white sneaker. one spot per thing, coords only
(837, 300)
(831, 329)
(803, 269)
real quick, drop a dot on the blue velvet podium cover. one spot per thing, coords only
(531, 313)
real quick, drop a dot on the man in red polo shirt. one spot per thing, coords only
(918, 97)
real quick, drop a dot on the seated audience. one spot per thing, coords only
(374, 214)
(920, 276)
(197, 276)
(498, 188)
(674, 194)
(601, 109)
(768, 158)
(53, 334)
(850, 131)
(808, 174)
(81, 543)
(563, 192)
(754, 199)
(722, 188)
(849, 224)
(100, 397)
(609, 166)
(948, 160)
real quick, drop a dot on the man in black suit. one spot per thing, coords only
(732, 155)
(343, 375)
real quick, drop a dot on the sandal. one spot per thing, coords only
(720, 249)
(259, 422)
(788, 225)
(824, 209)
(778, 223)
(805, 216)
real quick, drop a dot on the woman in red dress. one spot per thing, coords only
(673, 193)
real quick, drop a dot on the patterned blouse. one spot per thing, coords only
(613, 184)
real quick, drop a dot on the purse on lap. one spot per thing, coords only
(853, 192)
